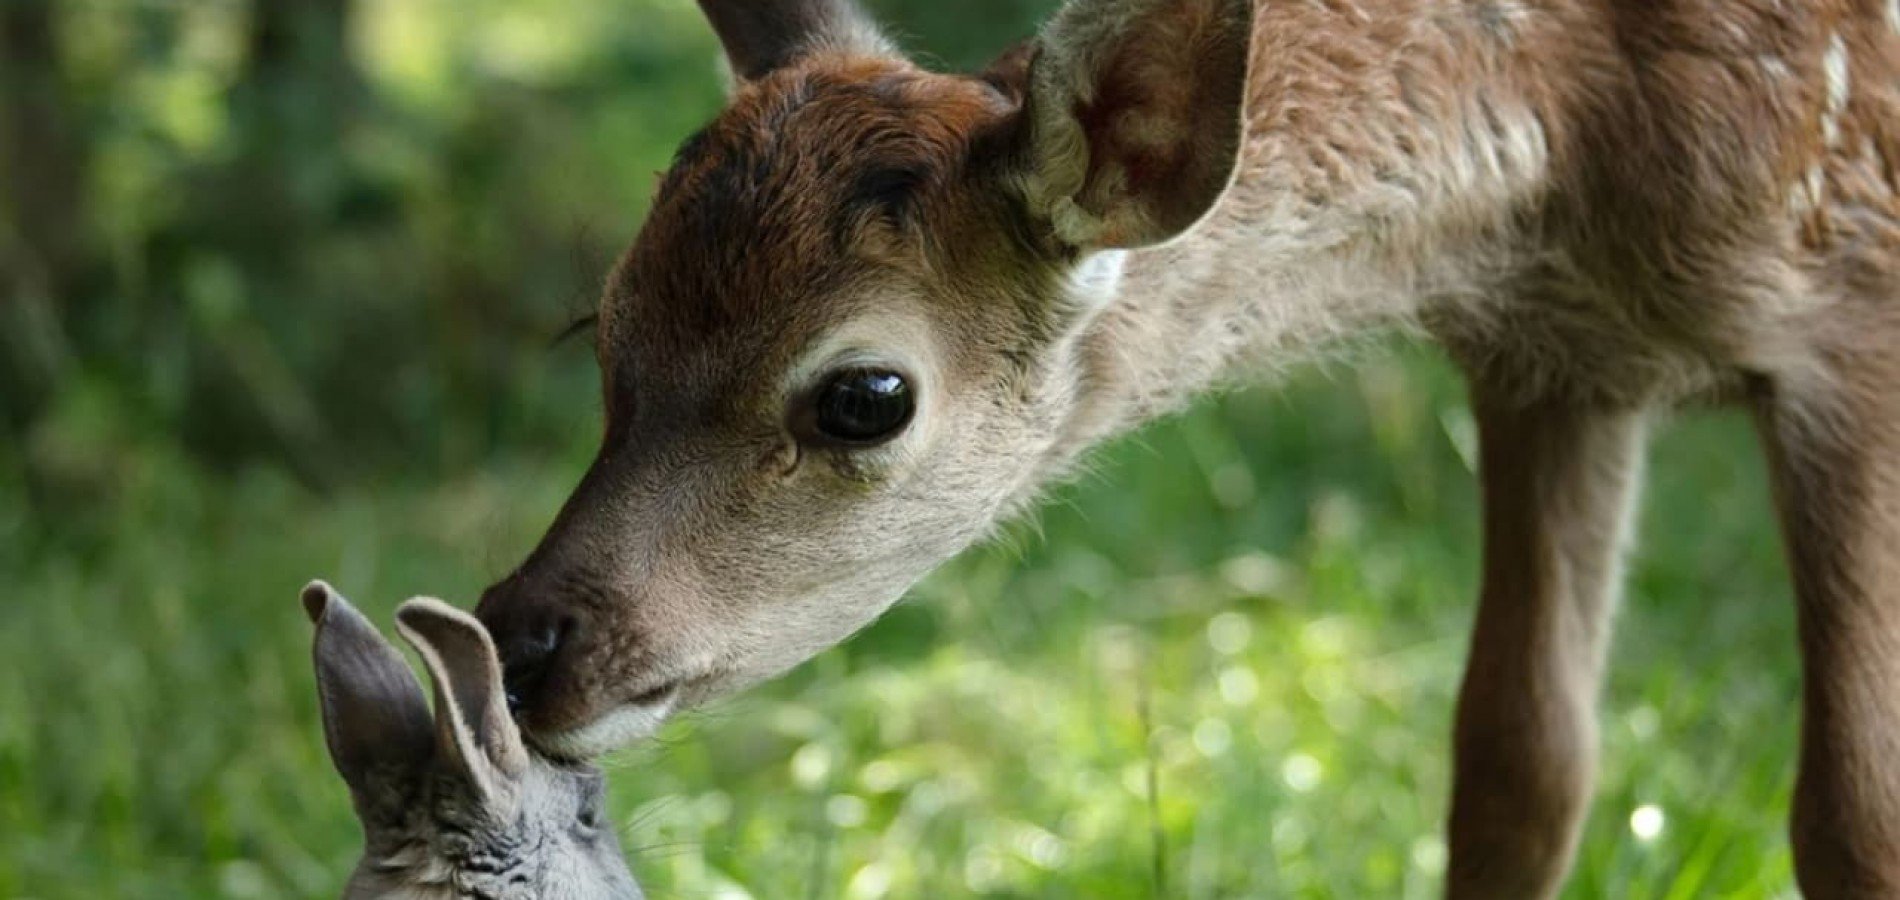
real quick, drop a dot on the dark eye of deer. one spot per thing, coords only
(864, 406)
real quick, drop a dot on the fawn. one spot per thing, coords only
(875, 309)
(458, 806)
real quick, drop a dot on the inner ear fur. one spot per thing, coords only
(375, 719)
(1135, 117)
(474, 732)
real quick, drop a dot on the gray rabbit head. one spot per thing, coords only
(453, 805)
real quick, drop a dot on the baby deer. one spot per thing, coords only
(456, 807)
(875, 309)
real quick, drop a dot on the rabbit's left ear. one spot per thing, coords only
(474, 733)
(375, 719)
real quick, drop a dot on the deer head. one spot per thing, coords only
(457, 806)
(848, 339)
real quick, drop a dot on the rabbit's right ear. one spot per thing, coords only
(475, 736)
(375, 718)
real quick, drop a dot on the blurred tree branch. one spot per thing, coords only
(291, 109)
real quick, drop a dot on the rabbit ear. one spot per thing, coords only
(474, 733)
(375, 719)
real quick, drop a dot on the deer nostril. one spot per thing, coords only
(526, 659)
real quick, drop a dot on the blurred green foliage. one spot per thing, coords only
(329, 235)
(279, 281)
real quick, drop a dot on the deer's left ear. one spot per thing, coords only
(761, 36)
(1135, 117)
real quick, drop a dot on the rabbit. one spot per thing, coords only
(454, 805)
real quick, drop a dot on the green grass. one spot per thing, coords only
(1220, 666)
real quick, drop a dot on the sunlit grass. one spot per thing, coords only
(1220, 667)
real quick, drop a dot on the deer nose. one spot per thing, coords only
(528, 637)
(527, 656)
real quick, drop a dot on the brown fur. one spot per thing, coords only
(1600, 207)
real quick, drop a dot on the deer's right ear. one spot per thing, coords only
(761, 36)
(1135, 117)
(375, 718)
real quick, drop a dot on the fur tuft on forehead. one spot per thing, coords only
(808, 174)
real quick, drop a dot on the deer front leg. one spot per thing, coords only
(1558, 485)
(1834, 447)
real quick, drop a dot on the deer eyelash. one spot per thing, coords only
(567, 332)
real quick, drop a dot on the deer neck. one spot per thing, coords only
(1390, 165)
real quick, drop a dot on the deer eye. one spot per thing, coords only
(864, 406)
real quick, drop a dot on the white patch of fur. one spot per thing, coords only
(1893, 15)
(1805, 195)
(619, 728)
(1834, 65)
(1520, 149)
(1098, 279)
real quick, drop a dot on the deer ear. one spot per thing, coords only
(761, 36)
(474, 734)
(375, 719)
(1135, 117)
